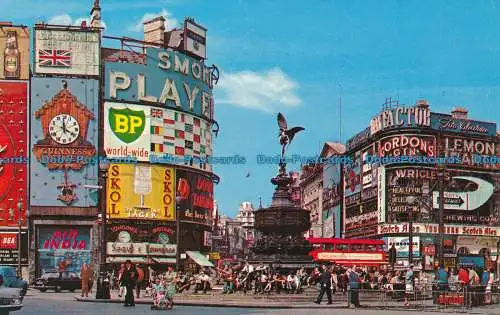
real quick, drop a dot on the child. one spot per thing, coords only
(159, 293)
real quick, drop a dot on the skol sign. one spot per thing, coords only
(141, 191)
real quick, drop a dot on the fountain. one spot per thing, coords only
(281, 226)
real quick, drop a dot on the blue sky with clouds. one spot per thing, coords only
(298, 57)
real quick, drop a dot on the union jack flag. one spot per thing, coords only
(54, 58)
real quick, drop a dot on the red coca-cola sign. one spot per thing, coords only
(13, 147)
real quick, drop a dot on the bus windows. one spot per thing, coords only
(357, 247)
(342, 247)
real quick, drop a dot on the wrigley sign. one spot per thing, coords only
(403, 228)
(169, 79)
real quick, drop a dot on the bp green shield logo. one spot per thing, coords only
(126, 124)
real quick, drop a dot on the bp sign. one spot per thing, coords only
(126, 133)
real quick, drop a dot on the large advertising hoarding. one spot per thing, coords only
(470, 197)
(407, 145)
(402, 245)
(445, 122)
(177, 137)
(13, 152)
(471, 152)
(197, 197)
(9, 250)
(63, 249)
(14, 53)
(332, 193)
(141, 191)
(126, 131)
(401, 117)
(126, 231)
(168, 79)
(67, 52)
(64, 136)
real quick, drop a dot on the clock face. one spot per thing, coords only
(124, 237)
(64, 129)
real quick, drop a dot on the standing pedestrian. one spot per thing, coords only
(91, 278)
(354, 286)
(84, 275)
(326, 286)
(409, 284)
(140, 279)
(129, 277)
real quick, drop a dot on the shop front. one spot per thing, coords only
(63, 249)
(156, 256)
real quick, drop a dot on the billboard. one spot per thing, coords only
(14, 53)
(128, 232)
(64, 136)
(9, 247)
(141, 191)
(126, 131)
(445, 122)
(63, 248)
(332, 193)
(13, 151)
(67, 52)
(402, 246)
(358, 139)
(178, 137)
(197, 197)
(195, 39)
(407, 145)
(169, 79)
(470, 197)
(401, 117)
(468, 151)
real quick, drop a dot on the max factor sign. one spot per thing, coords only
(401, 117)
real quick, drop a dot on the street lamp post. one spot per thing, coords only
(104, 167)
(19, 226)
(411, 201)
(440, 175)
(177, 232)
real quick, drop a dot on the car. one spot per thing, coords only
(58, 282)
(12, 280)
(11, 299)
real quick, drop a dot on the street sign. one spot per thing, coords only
(466, 200)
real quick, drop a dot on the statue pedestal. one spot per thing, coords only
(281, 227)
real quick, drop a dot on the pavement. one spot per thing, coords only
(273, 301)
(63, 303)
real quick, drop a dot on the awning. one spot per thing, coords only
(200, 259)
(163, 260)
(120, 259)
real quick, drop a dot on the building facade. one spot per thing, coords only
(393, 180)
(311, 183)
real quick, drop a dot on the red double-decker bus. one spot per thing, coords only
(348, 252)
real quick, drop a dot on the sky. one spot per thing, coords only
(306, 58)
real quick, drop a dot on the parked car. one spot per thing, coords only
(12, 280)
(58, 282)
(11, 299)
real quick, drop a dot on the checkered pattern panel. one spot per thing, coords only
(179, 134)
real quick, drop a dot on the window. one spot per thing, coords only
(357, 247)
(342, 247)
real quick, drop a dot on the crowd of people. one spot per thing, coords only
(332, 279)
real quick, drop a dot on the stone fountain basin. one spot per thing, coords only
(280, 219)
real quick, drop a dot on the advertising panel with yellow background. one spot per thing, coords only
(141, 191)
(14, 52)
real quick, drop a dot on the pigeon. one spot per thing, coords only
(248, 175)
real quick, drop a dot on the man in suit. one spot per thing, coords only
(326, 285)
(129, 278)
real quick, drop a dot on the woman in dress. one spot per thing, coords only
(170, 282)
(85, 275)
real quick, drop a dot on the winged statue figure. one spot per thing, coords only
(286, 135)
